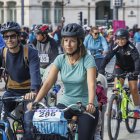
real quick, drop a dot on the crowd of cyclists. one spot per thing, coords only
(78, 54)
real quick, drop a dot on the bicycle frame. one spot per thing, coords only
(124, 99)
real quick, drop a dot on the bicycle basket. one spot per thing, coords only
(50, 121)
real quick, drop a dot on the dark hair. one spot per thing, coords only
(94, 28)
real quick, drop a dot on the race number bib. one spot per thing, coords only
(44, 58)
(47, 114)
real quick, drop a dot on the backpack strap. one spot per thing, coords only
(26, 56)
(4, 55)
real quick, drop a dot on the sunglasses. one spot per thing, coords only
(95, 33)
(13, 36)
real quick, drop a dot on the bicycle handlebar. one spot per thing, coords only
(125, 74)
(15, 98)
(79, 106)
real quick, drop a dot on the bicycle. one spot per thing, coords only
(121, 107)
(48, 128)
(8, 129)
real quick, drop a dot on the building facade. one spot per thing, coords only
(56, 12)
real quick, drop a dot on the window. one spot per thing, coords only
(11, 11)
(46, 12)
(117, 3)
(1, 13)
(58, 12)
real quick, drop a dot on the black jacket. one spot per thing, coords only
(127, 58)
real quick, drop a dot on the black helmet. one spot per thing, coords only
(10, 26)
(122, 33)
(73, 30)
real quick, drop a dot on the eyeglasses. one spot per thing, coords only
(13, 36)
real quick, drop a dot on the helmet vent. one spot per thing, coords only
(71, 29)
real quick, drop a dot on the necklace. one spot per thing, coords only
(73, 62)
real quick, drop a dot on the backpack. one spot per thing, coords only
(25, 49)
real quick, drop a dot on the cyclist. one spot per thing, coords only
(97, 45)
(2, 44)
(127, 60)
(75, 62)
(46, 46)
(57, 37)
(24, 37)
(31, 34)
(23, 79)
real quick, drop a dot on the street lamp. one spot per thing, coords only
(88, 13)
(64, 4)
(22, 12)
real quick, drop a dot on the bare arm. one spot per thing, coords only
(51, 79)
(91, 80)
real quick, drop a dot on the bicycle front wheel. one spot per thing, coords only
(130, 122)
(113, 117)
(6, 132)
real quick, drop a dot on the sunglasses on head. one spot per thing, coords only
(13, 36)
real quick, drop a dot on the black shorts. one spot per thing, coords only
(120, 71)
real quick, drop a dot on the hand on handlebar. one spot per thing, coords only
(32, 106)
(30, 96)
(90, 108)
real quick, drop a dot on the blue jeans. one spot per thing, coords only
(28, 115)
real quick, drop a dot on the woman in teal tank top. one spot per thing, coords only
(78, 74)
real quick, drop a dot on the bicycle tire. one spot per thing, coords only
(113, 115)
(130, 122)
